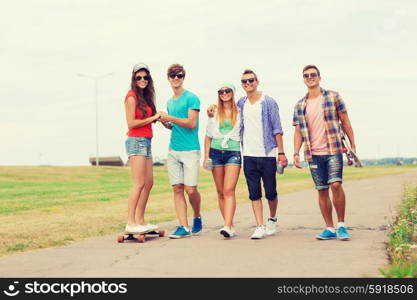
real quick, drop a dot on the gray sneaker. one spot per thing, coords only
(227, 232)
(271, 226)
(136, 229)
(152, 227)
(260, 232)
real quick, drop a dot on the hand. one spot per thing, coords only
(282, 160)
(164, 116)
(204, 163)
(165, 123)
(210, 110)
(353, 149)
(156, 116)
(297, 162)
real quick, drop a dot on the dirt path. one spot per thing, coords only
(293, 252)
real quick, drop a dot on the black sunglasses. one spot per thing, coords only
(179, 76)
(310, 75)
(247, 80)
(225, 91)
(139, 78)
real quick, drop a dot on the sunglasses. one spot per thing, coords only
(225, 91)
(251, 80)
(310, 75)
(179, 76)
(139, 78)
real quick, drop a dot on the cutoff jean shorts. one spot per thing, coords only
(223, 158)
(326, 169)
(138, 146)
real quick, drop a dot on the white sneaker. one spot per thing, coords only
(152, 227)
(271, 227)
(136, 229)
(227, 232)
(260, 232)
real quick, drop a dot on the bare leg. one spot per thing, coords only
(138, 167)
(273, 205)
(339, 201)
(180, 204)
(194, 198)
(326, 207)
(258, 211)
(218, 176)
(231, 177)
(144, 195)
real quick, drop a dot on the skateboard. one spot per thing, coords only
(139, 237)
(347, 150)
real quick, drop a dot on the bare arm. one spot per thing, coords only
(166, 124)
(207, 143)
(298, 141)
(190, 122)
(344, 118)
(282, 159)
(130, 108)
(211, 110)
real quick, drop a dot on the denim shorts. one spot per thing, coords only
(183, 167)
(257, 168)
(326, 169)
(138, 146)
(223, 158)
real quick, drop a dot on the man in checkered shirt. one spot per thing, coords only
(317, 119)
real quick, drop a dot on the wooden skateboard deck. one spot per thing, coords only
(347, 150)
(139, 237)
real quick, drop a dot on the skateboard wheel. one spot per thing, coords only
(120, 239)
(141, 238)
(349, 162)
(161, 233)
(344, 149)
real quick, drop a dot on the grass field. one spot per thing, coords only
(50, 206)
(403, 238)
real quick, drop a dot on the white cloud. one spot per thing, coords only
(366, 50)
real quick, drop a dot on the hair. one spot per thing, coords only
(311, 67)
(144, 96)
(175, 69)
(221, 113)
(248, 71)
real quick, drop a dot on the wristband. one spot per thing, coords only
(281, 153)
(296, 154)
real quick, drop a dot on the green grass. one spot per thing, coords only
(403, 238)
(36, 203)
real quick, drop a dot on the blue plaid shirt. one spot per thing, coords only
(271, 122)
(332, 105)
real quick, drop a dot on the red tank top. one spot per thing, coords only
(144, 131)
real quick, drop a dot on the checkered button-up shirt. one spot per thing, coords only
(332, 105)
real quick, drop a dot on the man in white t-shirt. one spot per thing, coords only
(263, 148)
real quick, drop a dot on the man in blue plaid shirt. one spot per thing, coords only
(317, 119)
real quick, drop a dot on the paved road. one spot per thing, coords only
(292, 252)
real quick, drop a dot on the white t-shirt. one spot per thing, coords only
(253, 137)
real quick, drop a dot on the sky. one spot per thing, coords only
(365, 50)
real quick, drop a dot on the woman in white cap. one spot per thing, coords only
(140, 114)
(222, 153)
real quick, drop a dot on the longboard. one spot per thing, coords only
(347, 149)
(139, 237)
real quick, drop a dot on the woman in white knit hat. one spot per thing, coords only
(222, 153)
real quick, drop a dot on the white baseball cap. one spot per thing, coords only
(139, 66)
(226, 85)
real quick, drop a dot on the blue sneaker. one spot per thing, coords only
(180, 233)
(197, 226)
(326, 235)
(342, 234)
